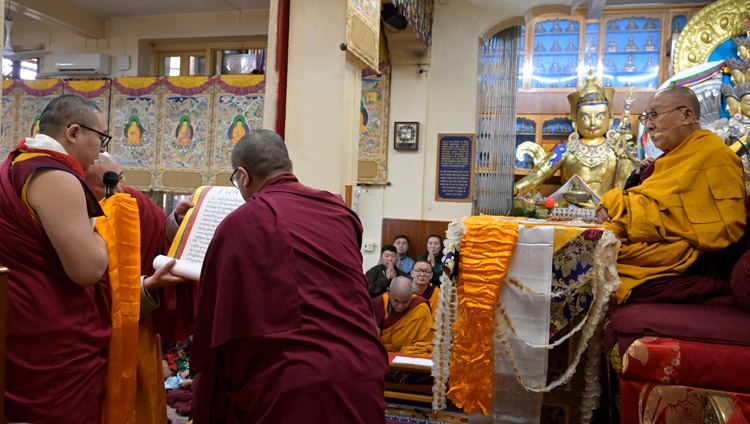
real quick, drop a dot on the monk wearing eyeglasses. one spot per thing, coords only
(690, 203)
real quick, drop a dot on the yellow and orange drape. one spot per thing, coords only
(120, 228)
(486, 249)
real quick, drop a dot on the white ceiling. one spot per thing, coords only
(122, 8)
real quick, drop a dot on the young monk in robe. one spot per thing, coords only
(421, 275)
(284, 330)
(691, 200)
(404, 319)
(58, 307)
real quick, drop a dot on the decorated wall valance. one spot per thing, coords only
(170, 134)
(419, 13)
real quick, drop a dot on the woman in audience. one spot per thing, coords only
(434, 255)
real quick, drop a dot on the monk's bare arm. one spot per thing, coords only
(59, 201)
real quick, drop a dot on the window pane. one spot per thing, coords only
(197, 65)
(7, 68)
(29, 69)
(242, 61)
(172, 66)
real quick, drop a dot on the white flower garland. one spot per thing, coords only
(445, 316)
(604, 283)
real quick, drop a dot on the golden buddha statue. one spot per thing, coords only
(737, 97)
(598, 155)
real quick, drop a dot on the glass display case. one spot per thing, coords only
(525, 131)
(624, 49)
(632, 50)
(555, 52)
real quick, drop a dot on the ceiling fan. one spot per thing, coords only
(8, 52)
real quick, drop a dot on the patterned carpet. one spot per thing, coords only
(394, 414)
(397, 413)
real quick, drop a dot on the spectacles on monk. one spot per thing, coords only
(652, 115)
(423, 271)
(233, 178)
(104, 138)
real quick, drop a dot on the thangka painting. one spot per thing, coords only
(373, 127)
(23, 102)
(135, 128)
(95, 90)
(239, 109)
(363, 31)
(9, 137)
(169, 133)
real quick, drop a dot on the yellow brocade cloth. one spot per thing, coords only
(486, 248)
(120, 230)
(693, 203)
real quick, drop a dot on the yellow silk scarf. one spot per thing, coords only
(486, 249)
(120, 229)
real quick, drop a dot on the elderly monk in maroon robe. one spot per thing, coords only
(150, 405)
(58, 306)
(285, 330)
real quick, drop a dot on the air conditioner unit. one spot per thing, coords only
(83, 64)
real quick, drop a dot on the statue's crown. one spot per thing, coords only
(743, 46)
(590, 93)
(739, 69)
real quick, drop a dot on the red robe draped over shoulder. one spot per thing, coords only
(285, 330)
(57, 330)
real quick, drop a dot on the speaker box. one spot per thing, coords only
(391, 17)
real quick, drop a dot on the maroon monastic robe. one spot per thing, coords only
(57, 330)
(285, 330)
(175, 317)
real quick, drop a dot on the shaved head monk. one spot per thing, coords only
(284, 330)
(405, 319)
(144, 397)
(421, 275)
(691, 202)
(58, 304)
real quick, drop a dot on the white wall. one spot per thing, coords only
(323, 92)
(123, 34)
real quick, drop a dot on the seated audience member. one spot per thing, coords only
(434, 256)
(380, 276)
(421, 275)
(691, 201)
(404, 262)
(404, 319)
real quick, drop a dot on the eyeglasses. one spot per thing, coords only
(423, 271)
(652, 115)
(232, 178)
(104, 138)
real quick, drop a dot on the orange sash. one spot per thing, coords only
(120, 228)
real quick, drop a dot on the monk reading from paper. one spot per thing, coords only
(404, 319)
(284, 329)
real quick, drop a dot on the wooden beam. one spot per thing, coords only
(62, 13)
(595, 8)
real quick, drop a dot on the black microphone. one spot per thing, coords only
(110, 179)
(661, 133)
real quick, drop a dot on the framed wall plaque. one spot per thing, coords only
(405, 135)
(455, 167)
